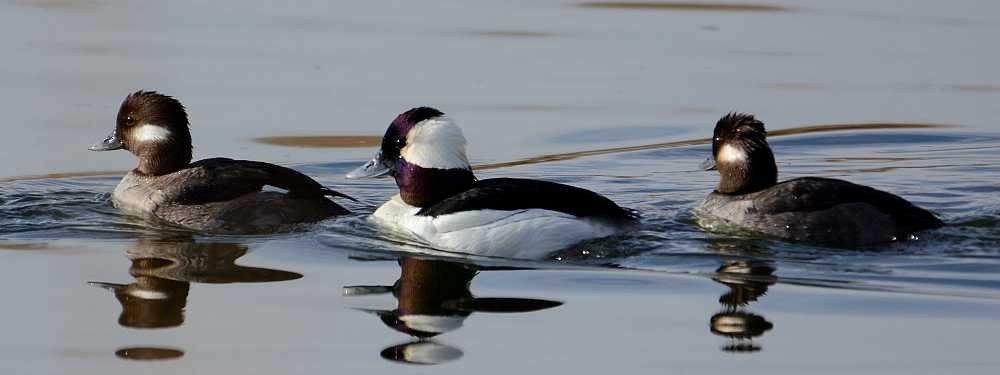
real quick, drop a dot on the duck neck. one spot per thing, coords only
(425, 285)
(423, 187)
(162, 158)
(756, 172)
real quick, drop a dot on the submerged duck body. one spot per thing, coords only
(442, 204)
(216, 195)
(809, 209)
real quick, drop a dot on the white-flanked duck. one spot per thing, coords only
(811, 209)
(216, 195)
(441, 203)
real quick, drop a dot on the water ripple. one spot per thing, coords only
(949, 172)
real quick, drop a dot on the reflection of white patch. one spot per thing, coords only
(148, 294)
(151, 133)
(731, 324)
(429, 352)
(436, 143)
(731, 154)
(433, 323)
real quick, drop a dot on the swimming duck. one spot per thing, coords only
(811, 209)
(441, 203)
(216, 195)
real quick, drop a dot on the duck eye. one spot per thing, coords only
(129, 120)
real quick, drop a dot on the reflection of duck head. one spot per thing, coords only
(163, 271)
(421, 352)
(150, 302)
(747, 281)
(426, 292)
(741, 327)
(433, 297)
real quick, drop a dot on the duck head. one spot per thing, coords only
(424, 151)
(154, 127)
(741, 155)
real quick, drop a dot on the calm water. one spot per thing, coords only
(537, 84)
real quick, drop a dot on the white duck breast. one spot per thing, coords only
(525, 233)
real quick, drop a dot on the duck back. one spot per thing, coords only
(226, 196)
(825, 210)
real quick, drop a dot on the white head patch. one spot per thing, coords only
(436, 143)
(730, 154)
(151, 133)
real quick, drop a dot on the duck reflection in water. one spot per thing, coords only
(433, 298)
(747, 280)
(164, 270)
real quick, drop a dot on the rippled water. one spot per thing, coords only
(948, 172)
(618, 97)
(622, 294)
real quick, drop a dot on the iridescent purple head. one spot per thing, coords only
(424, 151)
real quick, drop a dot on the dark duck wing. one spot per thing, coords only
(510, 194)
(813, 194)
(222, 179)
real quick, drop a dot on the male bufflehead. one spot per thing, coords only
(811, 209)
(216, 195)
(433, 298)
(442, 203)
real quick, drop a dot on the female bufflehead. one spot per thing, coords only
(441, 203)
(216, 195)
(803, 209)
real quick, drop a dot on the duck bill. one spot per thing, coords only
(112, 142)
(372, 169)
(708, 164)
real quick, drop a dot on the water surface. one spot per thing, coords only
(619, 99)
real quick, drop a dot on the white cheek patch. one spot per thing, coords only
(730, 154)
(151, 133)
(436, 143)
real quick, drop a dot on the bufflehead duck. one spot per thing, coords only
(811, 209)
(441, 202)
(164, 268)
(216, 195)
(433, 298)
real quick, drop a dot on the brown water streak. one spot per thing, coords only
(685, 6)
(371, 141)
(978, 88)
(62, 175)
(322, 141)
(673, 144)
